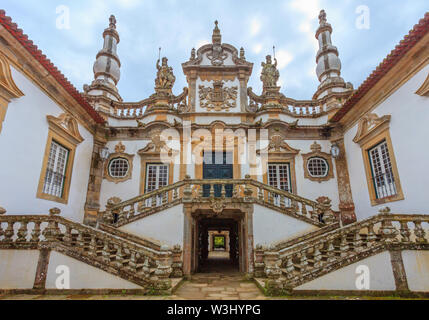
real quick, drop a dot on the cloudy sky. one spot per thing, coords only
(178, 26)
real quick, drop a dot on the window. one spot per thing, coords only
(156, 176)
(56, 170)
(379, 159)
(57, 165)
(381, 170)
(317, 164)
(317, 167)
(118, 167)
(279, 176)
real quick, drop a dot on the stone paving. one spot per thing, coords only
(218, 286)
(210, 286)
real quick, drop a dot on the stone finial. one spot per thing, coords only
(193, 54)
(322, 17)
(112, 22)
(120, 148)
(54, 211)
(216, 37)
(242, 57)
(187, 177)
(315, 147)
(164, 247)
(384, 210)
(2, 210)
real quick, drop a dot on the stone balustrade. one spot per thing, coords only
(289, 267)
(140, 264)
(224, 190)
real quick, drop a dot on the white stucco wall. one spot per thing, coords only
(416, 264)
(22, 144)
(408, 132)
(270, 226)
(18, 268)
(165, 226)
(380, 272)
(82, 275)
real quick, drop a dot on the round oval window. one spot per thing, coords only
(317, 167)
(118, 167)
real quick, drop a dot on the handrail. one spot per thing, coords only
(132, 261)
(191, 190)
(308, 259)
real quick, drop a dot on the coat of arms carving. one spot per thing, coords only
(218, 98)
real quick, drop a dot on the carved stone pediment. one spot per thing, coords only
(66, 126)
(219, 97)
(157, 145)
(277, 146)
(370, 125)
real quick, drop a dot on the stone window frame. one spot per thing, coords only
(64, 131)
(278, 151)
(373, 130)
(316, 152)
(151, 154)
(119, 153)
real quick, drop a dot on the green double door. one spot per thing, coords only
(217, 165)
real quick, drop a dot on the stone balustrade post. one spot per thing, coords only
(387, 230)
(163, 268)
(52, 231)
(177, 263)
(259, 262)
(248, 191)
(187, 190)
(272, 270)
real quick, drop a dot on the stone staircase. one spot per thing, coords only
(119, 213)
(148, 265)
(283, 267)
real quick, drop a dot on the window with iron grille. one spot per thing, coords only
(156, 176)
(118, 167)
(317, 167)
(56, 170)
(381, 169)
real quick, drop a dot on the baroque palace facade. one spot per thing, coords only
(137, 195)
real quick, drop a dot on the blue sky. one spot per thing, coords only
(178, 26)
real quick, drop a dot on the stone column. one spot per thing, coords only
(187, 231)
(346, 206)
(250, 268)
(92, 204)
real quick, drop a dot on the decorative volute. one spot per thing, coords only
(107, 66)
(328, 68)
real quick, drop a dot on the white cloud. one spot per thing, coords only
(257, 48)
(310, 8)
(284, 57)
(255, 27)
(127, 4)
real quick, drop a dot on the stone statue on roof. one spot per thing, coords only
(164, 78)
(270, 74)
